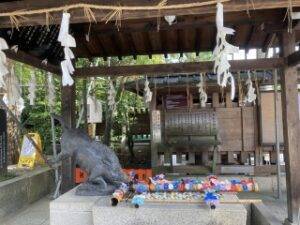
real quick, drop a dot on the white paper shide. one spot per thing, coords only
(67, 41)
(202, 93)
(32, 88)
(147, 92)
(250, 96)
(221, 52)
(3, 68)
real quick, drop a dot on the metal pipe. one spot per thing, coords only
(279, 192)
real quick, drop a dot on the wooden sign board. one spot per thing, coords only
(29, 155)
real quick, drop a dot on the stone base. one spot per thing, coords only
(88, 189)
(25, 189)
(70, 209)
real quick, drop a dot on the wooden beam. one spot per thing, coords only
(252, 32)
(177, 68)
(291, 128)
(23, 57)
(268, 42)
(79, 17)
(194, 22)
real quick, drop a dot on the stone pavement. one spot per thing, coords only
(276, 207)
(35, 214)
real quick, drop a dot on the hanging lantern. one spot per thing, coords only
(202, 93)
(221, 52)
(51, 91)
(3, 68)
(250, 96)
(32, 88)
(147, 93)
(67, 41)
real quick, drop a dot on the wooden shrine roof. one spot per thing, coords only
(193, 31)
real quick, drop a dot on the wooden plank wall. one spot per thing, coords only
(267, 115)
(230, 128)
(237, 128)
(248, 128)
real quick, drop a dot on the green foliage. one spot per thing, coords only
(37, 117)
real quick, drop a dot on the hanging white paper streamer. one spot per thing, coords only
(221, 52)
(202, 93)
(15, 48)
(95, 110)
(3, 68)
(67, 41)
(111, 96)
(147, 92)
(32, 88)
(13, 98)
(51, 91)
(250, 96)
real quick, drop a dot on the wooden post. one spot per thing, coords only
(215, 100)
(290, 115)
(3, 142)
(84, 104)
(154, 156)
(228, 100)
(279, 193)
(68, 114)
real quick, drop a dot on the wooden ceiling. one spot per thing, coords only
(149, 36)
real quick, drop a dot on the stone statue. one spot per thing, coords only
(98, 160)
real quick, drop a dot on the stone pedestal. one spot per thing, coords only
(70, 209)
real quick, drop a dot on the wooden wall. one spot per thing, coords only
(237, 128)
(267, 121)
